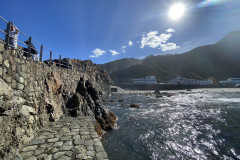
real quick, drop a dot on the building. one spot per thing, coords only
(184, 81)
(146, 80)
(230, 81)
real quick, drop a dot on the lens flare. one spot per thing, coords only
(177, 11)
(206, 3)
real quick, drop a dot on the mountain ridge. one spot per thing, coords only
(215, 61)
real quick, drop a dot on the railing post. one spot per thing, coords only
(7, 36)
(29, 46)
(60, 64)
(51, 57)
(60, 61)
(41, 52)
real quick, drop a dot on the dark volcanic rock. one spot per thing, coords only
(121, 100)
(86, 102)
(134, 106)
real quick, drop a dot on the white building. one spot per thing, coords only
(184, 81)
(230, 81)
(146, 80)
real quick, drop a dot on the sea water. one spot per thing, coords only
(201, 124)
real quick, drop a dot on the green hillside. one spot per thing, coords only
(120, 65)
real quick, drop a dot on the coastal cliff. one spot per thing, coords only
(34, 94)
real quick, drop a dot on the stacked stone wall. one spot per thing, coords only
(23, 100)
(27, 76)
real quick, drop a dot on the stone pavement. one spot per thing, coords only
(67, 139)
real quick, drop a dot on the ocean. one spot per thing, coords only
(200, 124)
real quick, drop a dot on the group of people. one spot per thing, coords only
(13, 39)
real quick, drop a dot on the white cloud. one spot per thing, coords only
(113, 52)
(170, 30)
(168, 47)
(130, 43)
(97, 52)
(153, 40)
(123, 49)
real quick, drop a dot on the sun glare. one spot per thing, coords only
(177, 11)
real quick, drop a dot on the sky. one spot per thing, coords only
(107, 30)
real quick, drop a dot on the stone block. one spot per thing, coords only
(27, 154)
(53, 140)
(31, 158)
(78, 140)
(58, 155)
(1, 72)
(20, 86)
(37, 141)
(26, 110)
(30, 148)
(6, 63)
(21, 80)
(5, 89)
(101, 155)
(24, 75)
(26, 82)
(1, 59)
(17, 60)
(66, 148)
(58, 144)
(31, 119)
(9, 79)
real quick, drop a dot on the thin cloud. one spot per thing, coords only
(168, 47)
(170, 30)
(130, 43)
(123, 49)
(114, 52)
(97, 53)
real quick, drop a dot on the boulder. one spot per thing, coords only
(121, 100)
(134, 106)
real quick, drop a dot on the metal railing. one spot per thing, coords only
(31, 50)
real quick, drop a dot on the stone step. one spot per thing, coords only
(67, 139)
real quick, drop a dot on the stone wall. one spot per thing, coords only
(33, 92)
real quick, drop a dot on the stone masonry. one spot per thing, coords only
(69, 138)
(32, 91)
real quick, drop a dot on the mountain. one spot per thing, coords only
(120, 65)
(217, 62)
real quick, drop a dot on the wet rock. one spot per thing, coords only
(159, 96)
(134, 106)
(121, 100)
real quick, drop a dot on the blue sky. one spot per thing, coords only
(107, 30)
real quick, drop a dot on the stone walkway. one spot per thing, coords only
(67, 139)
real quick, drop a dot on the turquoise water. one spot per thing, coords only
(203, 124)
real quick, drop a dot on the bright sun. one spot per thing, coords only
(176, 11)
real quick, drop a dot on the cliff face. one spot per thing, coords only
(33, 94)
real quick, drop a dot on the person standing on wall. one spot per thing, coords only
(13, 36)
